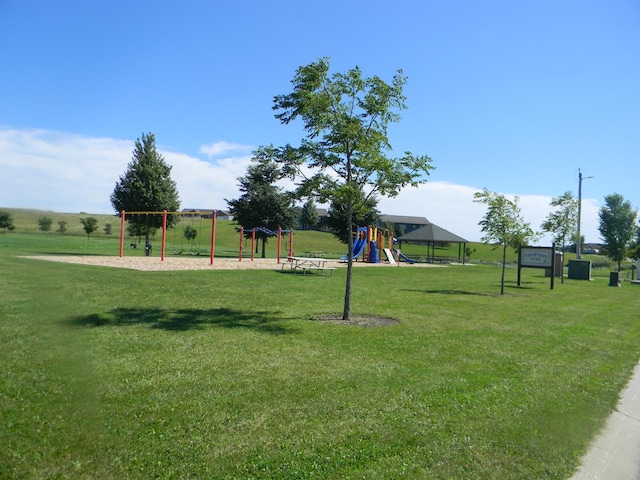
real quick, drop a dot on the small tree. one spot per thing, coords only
(344, 152)
(502, 225)
(90, 225)
(62, 227)
(617, 226)
(190, 233)
(107, 229)
(309, 215)
(44, 223)
(6, 221)
(562, 223)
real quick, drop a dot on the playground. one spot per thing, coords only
(170, 263)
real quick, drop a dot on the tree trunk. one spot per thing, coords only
(347, 291)
(264, 249)
(504, 263)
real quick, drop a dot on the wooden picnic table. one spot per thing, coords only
(306, 264)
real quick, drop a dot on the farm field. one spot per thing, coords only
(114, 373)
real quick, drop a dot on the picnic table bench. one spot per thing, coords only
(307, 264)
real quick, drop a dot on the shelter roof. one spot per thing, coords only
(404, 219)
(431, 233)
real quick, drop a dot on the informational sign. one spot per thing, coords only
(536, 257)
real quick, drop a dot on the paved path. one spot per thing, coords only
(615, 452)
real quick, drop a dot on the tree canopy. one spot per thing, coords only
(503, 224)
(89, 225)
(6, 221)
(617, 226)
(44, 223)
(562, 223)
(345, 150)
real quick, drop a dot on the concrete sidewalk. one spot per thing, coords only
(615, 452)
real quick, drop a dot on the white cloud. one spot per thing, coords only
(451, 206)
(223, 148)
(59, 171)
(72, 173)
(203, 184)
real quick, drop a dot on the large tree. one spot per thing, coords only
(147, 186)
(503, 225)
(617, 226)
(344, 152)
(262, 204)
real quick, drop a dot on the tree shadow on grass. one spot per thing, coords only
(184, 319)
(445, 291)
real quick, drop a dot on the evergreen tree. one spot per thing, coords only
(262, 203)
(309, 215)
(364, 213)
(147, 186)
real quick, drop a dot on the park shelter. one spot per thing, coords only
(432, 235)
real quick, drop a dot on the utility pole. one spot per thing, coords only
(579, 241)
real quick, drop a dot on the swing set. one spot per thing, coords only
(194, 234)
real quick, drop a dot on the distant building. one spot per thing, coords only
(206, 213)
(406, 223)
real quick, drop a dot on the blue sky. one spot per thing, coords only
(514, 96)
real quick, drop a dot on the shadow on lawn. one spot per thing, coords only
(184, 319)
(445, 291)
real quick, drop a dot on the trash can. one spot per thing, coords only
(558, 266)
(614, 279)
(579, 269)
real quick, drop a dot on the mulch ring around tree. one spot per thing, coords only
(364, 321)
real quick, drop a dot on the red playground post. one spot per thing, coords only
(214, 214)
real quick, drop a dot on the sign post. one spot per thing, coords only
(537, 257)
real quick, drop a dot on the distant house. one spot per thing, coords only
(406, 223)
(322, 216)
(206, 213)
(591, 248)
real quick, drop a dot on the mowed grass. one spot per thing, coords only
(110, 373)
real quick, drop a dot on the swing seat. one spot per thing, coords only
(195, 253)
(177, 252)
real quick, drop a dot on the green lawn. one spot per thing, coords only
(110, 373)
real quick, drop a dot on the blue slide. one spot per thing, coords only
(373, 253)
(358, 248)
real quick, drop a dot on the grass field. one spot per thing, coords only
(110, 373)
